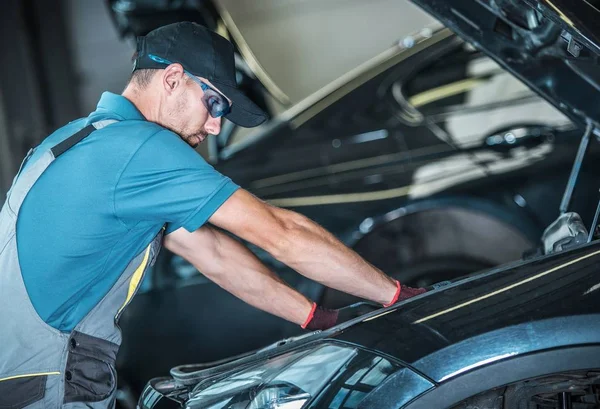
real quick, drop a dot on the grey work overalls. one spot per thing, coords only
(41, 367)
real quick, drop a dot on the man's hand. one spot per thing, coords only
(408, 292)
(304, 246)
(323, 318)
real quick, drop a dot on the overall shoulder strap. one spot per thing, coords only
(74, 139)
(26, 179)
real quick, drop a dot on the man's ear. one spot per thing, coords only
(173, 77)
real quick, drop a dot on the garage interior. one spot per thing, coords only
(391, 129)
(65, 83)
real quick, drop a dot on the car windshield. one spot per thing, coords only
(332, 375)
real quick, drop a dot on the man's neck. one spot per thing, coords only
(143, 103)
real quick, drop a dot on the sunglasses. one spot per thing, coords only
(216, 104)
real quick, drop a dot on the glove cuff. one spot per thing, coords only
(310, 316)
(396, 296)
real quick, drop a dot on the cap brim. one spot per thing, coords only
(243, 112)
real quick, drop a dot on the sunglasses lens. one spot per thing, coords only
(216, 105)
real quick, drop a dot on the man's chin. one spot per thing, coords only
(195, 140)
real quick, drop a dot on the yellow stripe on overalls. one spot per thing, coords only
(135, 279)
(29, 375)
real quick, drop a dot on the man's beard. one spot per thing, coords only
(192, 139)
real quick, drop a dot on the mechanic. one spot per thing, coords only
(93, 203)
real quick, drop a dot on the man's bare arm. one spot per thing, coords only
(303, 245)
(233, 267)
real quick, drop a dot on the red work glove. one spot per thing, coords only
(403, 292)
(322, 318)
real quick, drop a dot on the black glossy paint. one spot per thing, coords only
(556, 55)
(531, 311)
(496, 317)
(582, 16)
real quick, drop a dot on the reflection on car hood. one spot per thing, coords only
(457, 326)
(508, 311)
(553, 46)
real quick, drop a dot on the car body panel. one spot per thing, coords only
(496, 315)
(404, 386)
(493, 377)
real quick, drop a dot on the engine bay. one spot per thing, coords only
(536, 42)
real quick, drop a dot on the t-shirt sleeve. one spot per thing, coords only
(169, 182)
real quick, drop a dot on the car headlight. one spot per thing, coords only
(334, 374)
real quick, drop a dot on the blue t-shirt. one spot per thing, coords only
(102, 202)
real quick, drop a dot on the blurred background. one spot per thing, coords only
(412, 147)
(58, 57)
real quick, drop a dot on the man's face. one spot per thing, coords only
(187, 115)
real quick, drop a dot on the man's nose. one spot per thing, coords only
(213, 125)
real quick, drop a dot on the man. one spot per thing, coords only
(88, 210)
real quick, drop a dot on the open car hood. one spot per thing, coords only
(551, 45)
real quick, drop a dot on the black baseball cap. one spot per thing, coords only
(204, 54)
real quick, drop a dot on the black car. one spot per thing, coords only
(412, 160)
(524, 335)
(418, 205)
